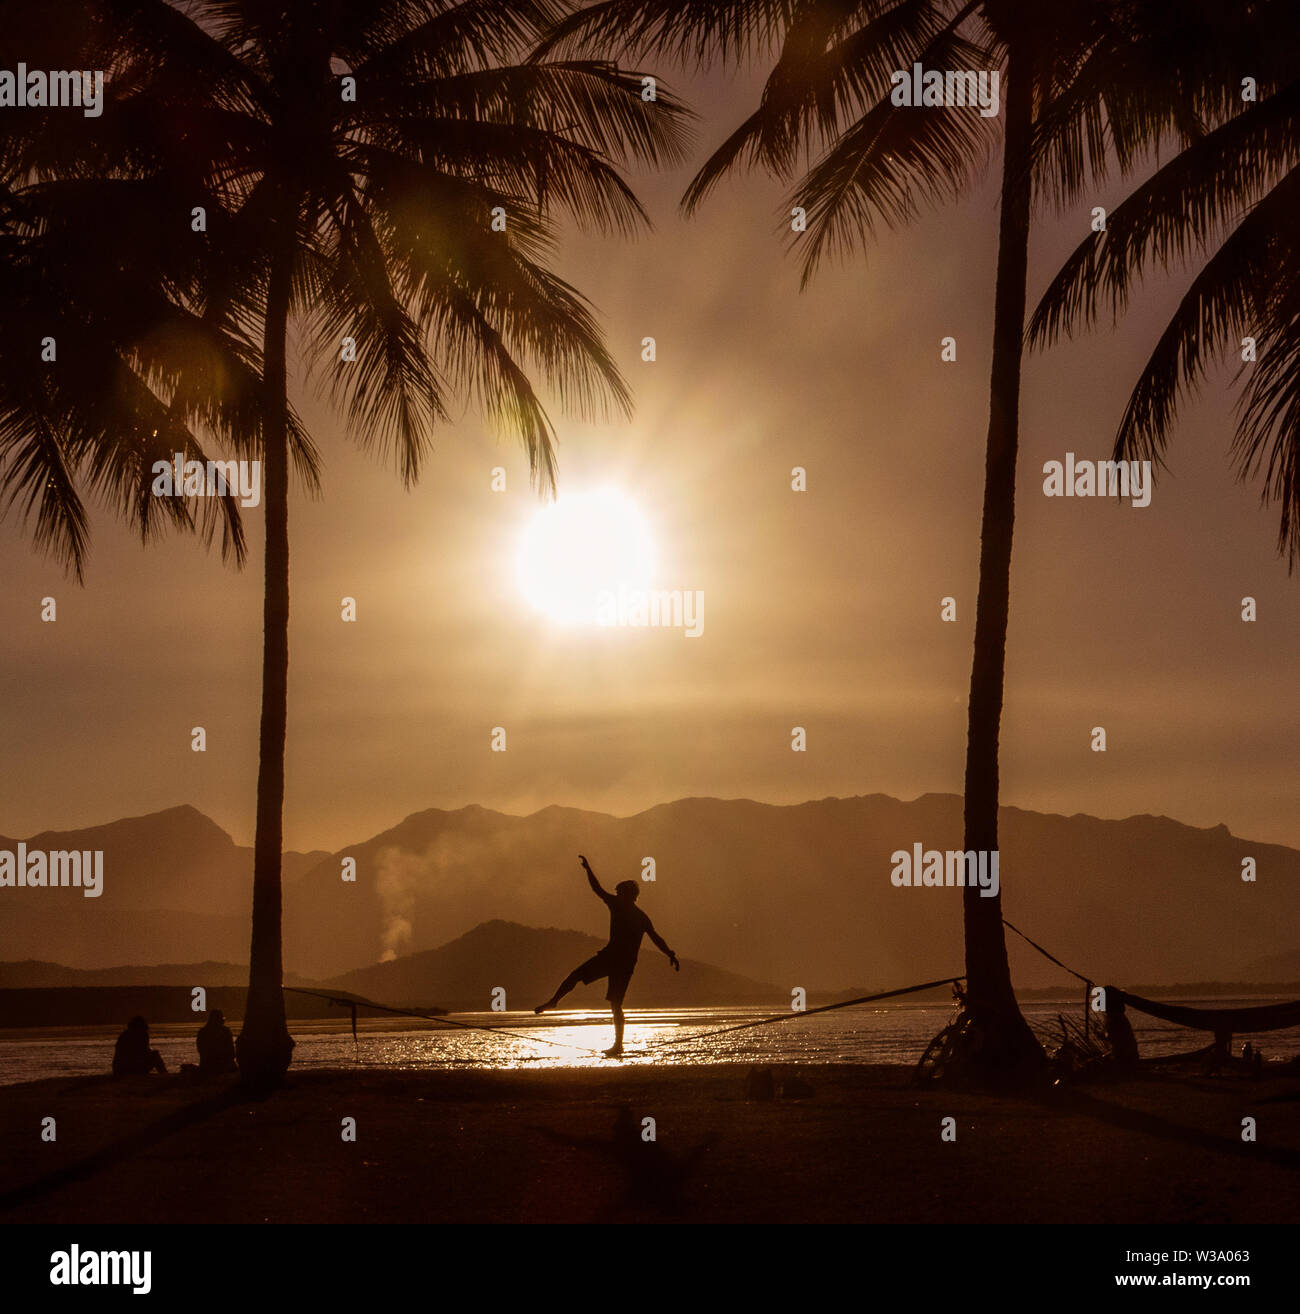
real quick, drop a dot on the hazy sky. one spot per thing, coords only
(822, 609)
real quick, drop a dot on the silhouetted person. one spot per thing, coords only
(617, 960)
(1123, 1043)
(216, 1046)
(132, 1056)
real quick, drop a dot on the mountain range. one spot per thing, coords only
(789, 895)
(177, 888)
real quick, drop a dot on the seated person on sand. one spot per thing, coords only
(132, 1056)
(216, 1046)
(617, 960)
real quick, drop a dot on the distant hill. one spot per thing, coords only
(526, 961)
(529, 963)
(176, 887)
(796, 895)
(34, 974)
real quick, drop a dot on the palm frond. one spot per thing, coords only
(689, 31)
(887, 164)
(392, 394)
(34, 476)
(1224, 298)
(1175, 214)
(435, 39)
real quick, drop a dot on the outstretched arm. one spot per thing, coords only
(597, 889)
(659, 944)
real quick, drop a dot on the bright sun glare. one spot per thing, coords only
(581, 546)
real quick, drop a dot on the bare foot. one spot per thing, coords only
(614, 1051)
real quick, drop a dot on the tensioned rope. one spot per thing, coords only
(1087, 980)
(863, 999)
(354, 1003)
(825, 1008)
(358, 1002)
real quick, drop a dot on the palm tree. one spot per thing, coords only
(829, 92)
(1231, 197)
(387, 172)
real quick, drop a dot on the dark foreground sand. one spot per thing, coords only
(566, 1145)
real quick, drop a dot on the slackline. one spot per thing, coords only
(354, 1004)
(825, 1008)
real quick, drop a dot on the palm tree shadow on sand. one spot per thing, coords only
(109, 1156)
(1164, 1129)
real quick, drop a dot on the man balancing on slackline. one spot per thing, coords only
(617, 960)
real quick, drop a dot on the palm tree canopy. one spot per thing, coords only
(825, 107)
(239, 109)
(1229, 197)
(380, 141)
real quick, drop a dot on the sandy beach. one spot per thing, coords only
(570, 1145)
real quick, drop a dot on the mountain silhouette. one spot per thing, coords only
(792, 895)
(176, 888)
(527, 962)
(801, 895)
(35, 974)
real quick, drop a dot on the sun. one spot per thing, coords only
(581, 547)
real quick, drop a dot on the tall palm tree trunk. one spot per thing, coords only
(265, 1047)
(1005, 1045)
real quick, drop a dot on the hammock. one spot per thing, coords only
(1220, 1021)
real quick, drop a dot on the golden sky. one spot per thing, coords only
(822, 608)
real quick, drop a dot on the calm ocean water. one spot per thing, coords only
(896, 1033)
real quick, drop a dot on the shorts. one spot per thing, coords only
(618, 970)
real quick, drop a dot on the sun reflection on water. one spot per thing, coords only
(575, 1038)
